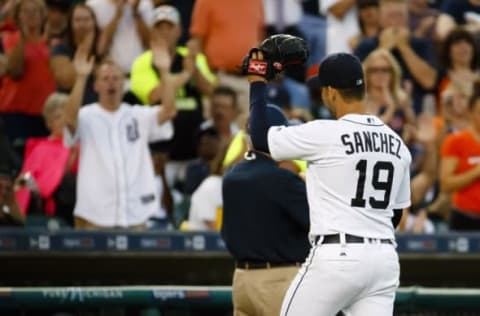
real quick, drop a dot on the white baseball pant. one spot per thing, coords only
(356, 278)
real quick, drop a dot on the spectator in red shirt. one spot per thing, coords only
(28, 80)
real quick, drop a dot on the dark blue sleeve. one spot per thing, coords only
(257, 124)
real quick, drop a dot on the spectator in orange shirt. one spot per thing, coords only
(225, 31)
(460, 170)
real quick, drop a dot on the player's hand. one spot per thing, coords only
(254, 78)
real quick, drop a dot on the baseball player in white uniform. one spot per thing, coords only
(358, 182)
(116, 185)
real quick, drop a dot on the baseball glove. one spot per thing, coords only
(278, 51)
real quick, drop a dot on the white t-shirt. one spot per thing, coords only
(357, 173)
(116, 185)
(205, 203)
(126, 43)
(339, 31)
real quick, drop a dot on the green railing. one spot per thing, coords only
(408, 299)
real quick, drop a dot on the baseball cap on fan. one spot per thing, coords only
(166, 13)
(339, 71)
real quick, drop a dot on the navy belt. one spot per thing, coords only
(248, 265)
(350, 239)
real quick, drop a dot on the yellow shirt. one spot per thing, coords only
(144, 78)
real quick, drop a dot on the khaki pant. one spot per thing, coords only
(260, 292)
(81, 223)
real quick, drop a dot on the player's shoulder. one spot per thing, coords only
(318, 124)
(361, 120)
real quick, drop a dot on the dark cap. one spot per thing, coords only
(339, 71)
(275, 116)
(277, 94)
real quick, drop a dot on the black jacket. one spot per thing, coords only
(265, 213)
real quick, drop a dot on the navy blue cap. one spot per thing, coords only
(277, 94)
(339, 71)
(275, 116)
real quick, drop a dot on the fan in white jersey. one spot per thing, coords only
(358, 182)
(116, 183)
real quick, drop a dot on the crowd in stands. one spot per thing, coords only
(126, 113)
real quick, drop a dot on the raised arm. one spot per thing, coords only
(109, 31)
(62, 66)
(423, 73)
(83, 67)
(190, 63)
(163, 61)
(140, 25)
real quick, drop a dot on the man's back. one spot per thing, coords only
(265, 207)
(357, 173)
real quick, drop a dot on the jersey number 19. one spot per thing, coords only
(386, 186)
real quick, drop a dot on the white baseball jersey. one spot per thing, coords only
(358, 172)
(116, 183)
